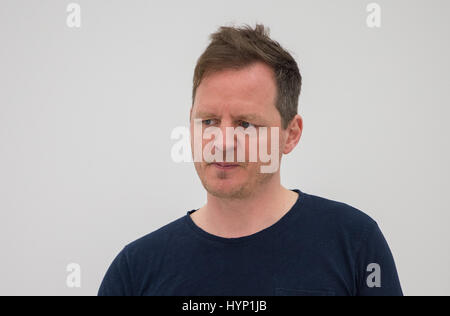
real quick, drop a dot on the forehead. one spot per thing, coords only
(248, 90)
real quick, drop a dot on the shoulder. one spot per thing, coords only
(155, 242)
(339, 216)
(130, 271)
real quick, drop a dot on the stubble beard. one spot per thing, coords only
(239, 191)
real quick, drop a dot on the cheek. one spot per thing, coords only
(266, 140)
(283, 140)
(277, 140)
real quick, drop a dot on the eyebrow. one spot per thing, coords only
(249, 116)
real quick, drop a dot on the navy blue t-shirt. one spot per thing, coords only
(319, 247)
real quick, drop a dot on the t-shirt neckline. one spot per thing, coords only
(262, 233)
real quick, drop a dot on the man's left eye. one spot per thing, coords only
(245, 124)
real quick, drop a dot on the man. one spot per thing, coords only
(253, 236)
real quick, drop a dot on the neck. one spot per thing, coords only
(233, 218)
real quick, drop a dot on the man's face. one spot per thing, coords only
(233, 98)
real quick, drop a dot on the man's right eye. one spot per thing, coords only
(208, 121)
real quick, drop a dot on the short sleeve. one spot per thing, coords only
(117, 280)
(376, 270)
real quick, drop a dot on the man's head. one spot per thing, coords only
(246, 79)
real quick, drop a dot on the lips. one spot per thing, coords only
(225, 165)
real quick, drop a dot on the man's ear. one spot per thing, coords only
(294, 132)
(190, 114)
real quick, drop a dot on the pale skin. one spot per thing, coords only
(242, 201)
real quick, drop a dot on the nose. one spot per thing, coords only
(226, 145)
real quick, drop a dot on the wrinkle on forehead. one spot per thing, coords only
(247, 90)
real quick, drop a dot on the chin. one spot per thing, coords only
(225, 189)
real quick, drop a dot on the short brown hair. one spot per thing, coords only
(238, 47)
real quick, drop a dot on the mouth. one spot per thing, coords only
(224, 165)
